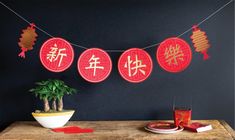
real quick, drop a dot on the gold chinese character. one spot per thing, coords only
(53, 55)
(137, 66)
(93, 64)
(173, 54)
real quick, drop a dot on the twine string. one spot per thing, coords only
(116, 50)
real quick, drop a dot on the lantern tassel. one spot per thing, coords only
(22, 53)
(205, 55)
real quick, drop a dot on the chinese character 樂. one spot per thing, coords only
(173, 54)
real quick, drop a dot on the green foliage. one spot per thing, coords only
(52, 89)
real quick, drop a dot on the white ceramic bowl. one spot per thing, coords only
(53, 120)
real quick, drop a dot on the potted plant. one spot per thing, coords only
(52, 90)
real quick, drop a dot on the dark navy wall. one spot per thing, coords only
(120, 25)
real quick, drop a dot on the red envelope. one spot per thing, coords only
(73, 129)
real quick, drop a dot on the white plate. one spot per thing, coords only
(165, 132)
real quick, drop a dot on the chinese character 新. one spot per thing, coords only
(54, 54)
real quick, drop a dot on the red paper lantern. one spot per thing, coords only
(200, 41)
(27, 40)
(94, 65)
(56, 54)
(135, 65)
(174, 55)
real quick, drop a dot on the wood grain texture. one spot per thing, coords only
(110, 130)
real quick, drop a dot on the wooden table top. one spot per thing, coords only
(109, 130)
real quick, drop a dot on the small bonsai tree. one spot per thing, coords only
(52, 90)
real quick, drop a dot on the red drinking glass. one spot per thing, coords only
(182, 116)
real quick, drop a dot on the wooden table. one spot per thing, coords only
(109, 130)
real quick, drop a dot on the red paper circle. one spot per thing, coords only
(174, 55)
(56, 54)
(135, 65)
(94, 65)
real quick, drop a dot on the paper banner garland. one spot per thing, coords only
(27, 40)
(174, 55)
(56, 54)
(135, 65)
(200, 41)
(94, 65)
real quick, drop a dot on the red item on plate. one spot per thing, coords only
(198, 127)
(180, 128)
(162, 126)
